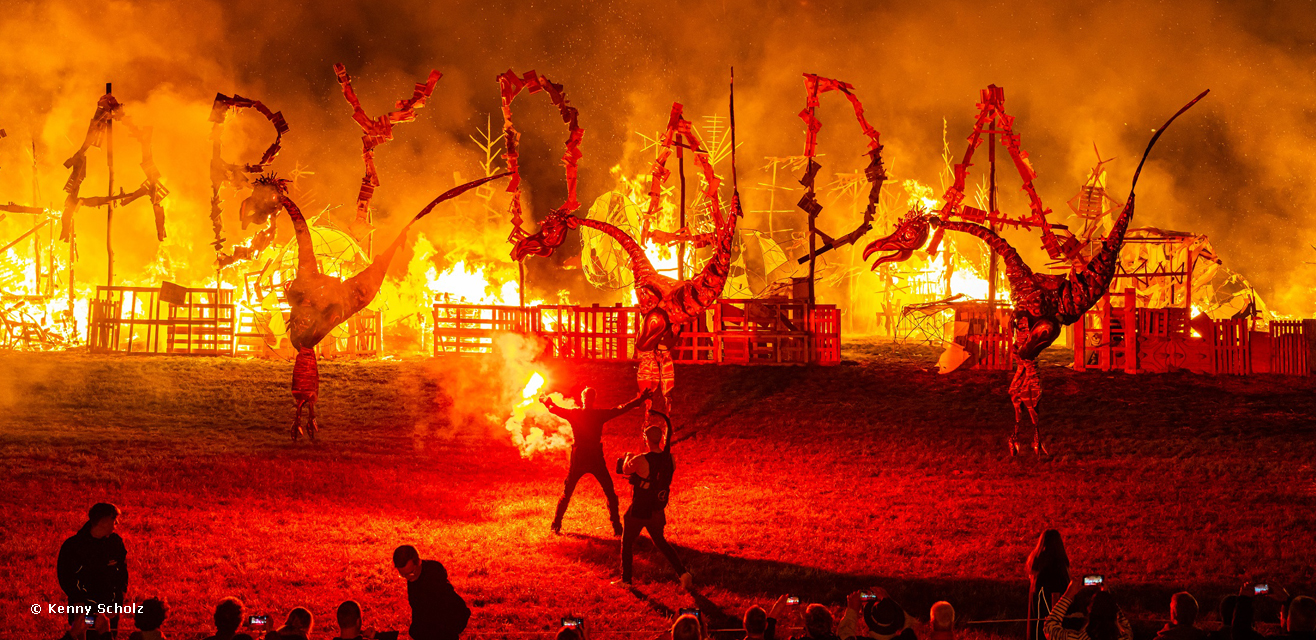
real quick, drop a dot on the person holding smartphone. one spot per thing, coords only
(93, 563)
(651, 476)
(1105, 620)
(587, 450)
(882, 616)
(80, 629)
(228, 618)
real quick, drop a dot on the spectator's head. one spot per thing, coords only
(407, 561)
(101, 518)
(756, 621)
(817, 621)
(1049, 552)
(228, 616)
(1300, 616)
(568, 633)
(587, 397)
(1183, 608)
(942, 616)
(298, 623)
(349, 618)
(1103, 614)
(1227, 609)
(152, 615)
(687, 627)
(653, 436)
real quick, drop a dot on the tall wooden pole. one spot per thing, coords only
(36, 237)
(991, 204)
(680, 247)
(109, 206)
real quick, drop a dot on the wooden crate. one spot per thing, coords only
(1230, 339)
(1289, 348)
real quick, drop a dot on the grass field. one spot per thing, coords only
(811, 481)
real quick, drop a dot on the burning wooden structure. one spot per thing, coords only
(767, 331)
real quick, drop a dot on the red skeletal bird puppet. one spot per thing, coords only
(1043, 303)
(664, 302)
(321, 302)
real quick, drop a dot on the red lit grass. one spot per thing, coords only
(812, 481)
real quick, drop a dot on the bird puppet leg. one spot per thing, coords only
(1025, 391)
(305, 390)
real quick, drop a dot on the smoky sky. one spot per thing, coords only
(1238, 167)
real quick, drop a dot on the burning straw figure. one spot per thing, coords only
(1043, 303)
(321, 302)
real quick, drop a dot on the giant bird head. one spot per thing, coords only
(263, 201)
(910, 235)
(552, 232)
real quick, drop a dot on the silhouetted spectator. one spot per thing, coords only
(882, 616)
(93, 563)
(574, 633)
(818, 624)
(1239, 621)
(1298, 620)
(687, 627)
(350, 625)
(1105, 621)
(298, 625)
(437, 612)
(1048, 577)
(1227, 605)
(1183, 615)
(228, 617)
(942, 619)
(150, 619)
(755, 623)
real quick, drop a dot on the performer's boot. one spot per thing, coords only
(297, 423)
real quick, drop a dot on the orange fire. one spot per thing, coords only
(533, 428)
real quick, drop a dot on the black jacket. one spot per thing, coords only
(93, 569)
(437, 612)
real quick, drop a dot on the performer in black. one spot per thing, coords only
(651, 476)
(587, 449)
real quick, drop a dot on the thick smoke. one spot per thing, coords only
(1237, 168)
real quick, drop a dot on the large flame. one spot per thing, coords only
(533, 428)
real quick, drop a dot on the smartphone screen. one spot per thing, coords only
(867, 595)
(1093, 581)
(1261, 589)
(573, 622)
(258, 622)
(792, 600)
(90, 619)
(693, 612)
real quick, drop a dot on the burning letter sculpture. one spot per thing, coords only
(1043, 303)
(321, 302)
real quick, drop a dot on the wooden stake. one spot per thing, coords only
(680, 247)
(109, 206)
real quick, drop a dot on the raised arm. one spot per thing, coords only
(667, 439)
